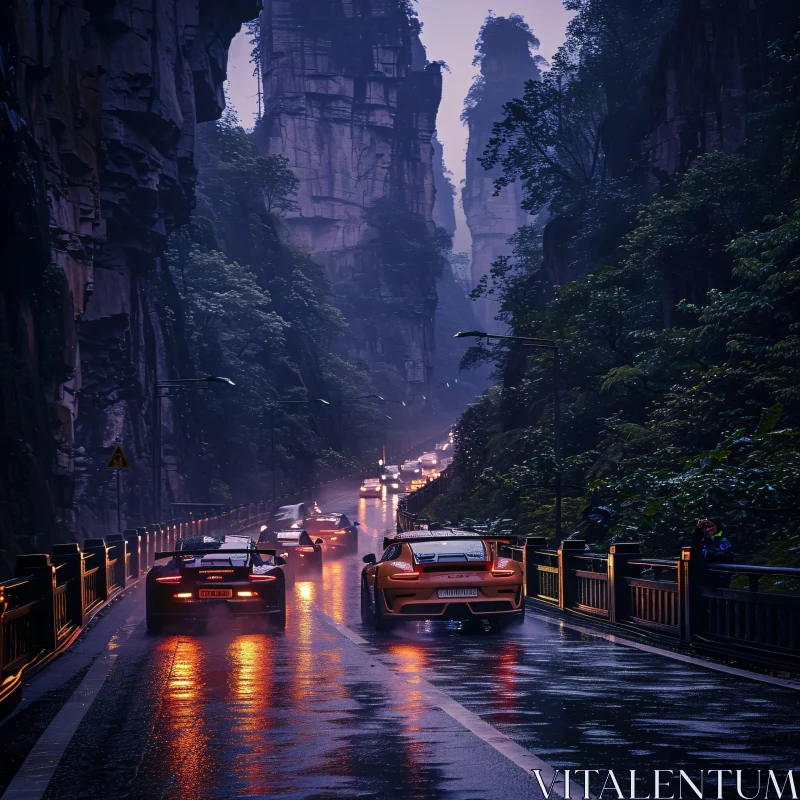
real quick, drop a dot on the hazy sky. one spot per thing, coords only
(450, 28)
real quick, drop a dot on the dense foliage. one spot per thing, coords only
(258, 311)
(680, 342)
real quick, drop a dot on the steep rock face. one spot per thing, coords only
(444, 209)
(504, 52)
(112, 93)
(704, 83)
(351, 102)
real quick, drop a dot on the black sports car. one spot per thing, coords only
(338, 534)
(302, 553)
(205, 573)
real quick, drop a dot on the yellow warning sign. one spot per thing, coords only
(118, 458)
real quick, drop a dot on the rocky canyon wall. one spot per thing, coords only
(351, 101)
(506, 62)
(104, 98)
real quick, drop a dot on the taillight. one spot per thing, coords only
(304, 549)
(405, 576)
(502, 573)
(255, 578)
(183, 595)
(169, 579)
(245, 594)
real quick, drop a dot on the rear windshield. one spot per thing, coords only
(448, 550)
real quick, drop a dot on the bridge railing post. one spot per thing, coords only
(533, 544)
(118, 553)
(144, 549)
(71, 559)
(690, 576)
(97, 548)
(567, 583)
(134, 541)
(43, 590)
(619, 596)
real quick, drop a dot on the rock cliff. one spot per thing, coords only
(504, 54)
(106, 97)
(351, 101)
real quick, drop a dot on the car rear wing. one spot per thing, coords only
(444, 533)
(221, 553)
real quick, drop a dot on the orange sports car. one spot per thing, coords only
(441, 574)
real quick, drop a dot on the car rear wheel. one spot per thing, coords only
(381, 622)
(154, 624)
(367, 615)
(278, 619)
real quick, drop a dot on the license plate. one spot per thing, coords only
(466, 592)
(216, 593)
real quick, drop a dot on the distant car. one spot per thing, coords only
(441, 575)
(303, 554)
(291, 516)
(338, 534)
(408, 469)
(394, 485)
(428, 460)
(371, 487)
(391, 474)
(208, 573)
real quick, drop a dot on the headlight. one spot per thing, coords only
(394, 486)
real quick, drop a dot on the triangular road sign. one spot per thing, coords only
(118, 459)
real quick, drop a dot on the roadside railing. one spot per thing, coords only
(410, 509)
(685, 599)
(52, 597)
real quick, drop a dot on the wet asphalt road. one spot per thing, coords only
(230, 713)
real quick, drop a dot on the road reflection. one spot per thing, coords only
(186, 739)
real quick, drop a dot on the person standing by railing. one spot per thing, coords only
(709, 544)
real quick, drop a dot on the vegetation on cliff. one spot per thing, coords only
(257, 310)
(678, 329)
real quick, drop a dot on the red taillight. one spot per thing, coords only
(502, 573)
(255, 578)
(169, 579)
(304, 549)
(405, 576)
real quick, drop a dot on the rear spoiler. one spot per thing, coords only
(445, 533)
(222, 553)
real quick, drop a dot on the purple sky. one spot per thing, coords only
(450, 28)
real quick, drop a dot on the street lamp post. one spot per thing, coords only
(177, 383)
(543, 344)
(272, 429)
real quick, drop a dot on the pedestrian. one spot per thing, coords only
(709, 545)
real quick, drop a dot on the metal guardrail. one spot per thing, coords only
(52, 597)
(410, 509)
(685, 599)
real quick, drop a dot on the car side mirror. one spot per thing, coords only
(369, 558)
(356, 524)
(319, 541)
(280, 561)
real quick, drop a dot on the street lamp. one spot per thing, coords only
(272, 427)
(174, 383)
(543, 344)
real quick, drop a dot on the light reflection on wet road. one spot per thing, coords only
(230, 713)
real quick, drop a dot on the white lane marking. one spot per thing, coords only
(698, 662)
(36, 772)
(503, 744)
